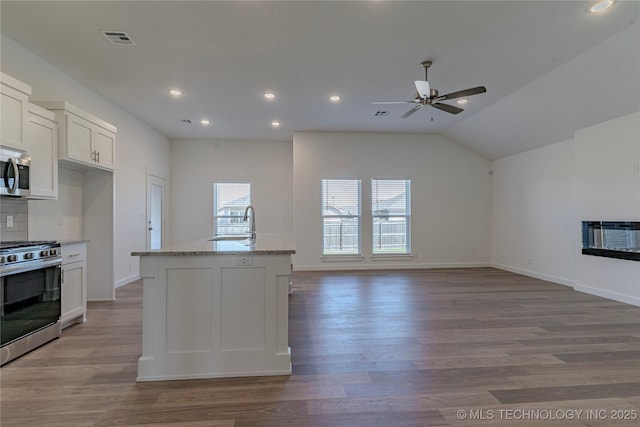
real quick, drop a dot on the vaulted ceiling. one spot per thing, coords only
(549, 66)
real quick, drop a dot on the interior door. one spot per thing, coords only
(155, 211)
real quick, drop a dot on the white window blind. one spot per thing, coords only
(341, 216)
(229, 202)
(391, 216)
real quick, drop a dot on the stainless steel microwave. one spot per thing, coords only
(15, 179)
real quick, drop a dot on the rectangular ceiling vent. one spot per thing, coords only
(381, 113)
(118, 37)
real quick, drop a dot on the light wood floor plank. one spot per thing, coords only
(369, 348)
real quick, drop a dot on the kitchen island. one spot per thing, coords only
(216, 309)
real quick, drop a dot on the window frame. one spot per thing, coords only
(238, 218)
(407, 218)
(358, 216)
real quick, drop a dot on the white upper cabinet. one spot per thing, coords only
(84, 139)
(41, 142)
(104, 143)
(13, 112)
(79, 136)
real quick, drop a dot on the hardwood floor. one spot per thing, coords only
(381, 348)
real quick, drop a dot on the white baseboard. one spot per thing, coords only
(379, 265)
(127, 280)
(627, 299)
(534, 274)
(547, 277)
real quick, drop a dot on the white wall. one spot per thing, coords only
(196, 164)
(607, 158)
(59, 219)
(541, 196)
(534, 224)
(138, 147)
(451, 220)
(602, 83)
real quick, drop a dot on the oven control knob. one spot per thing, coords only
(1, 260)
(28, 255)
(44, 253)
(12, 258)
(53, 252)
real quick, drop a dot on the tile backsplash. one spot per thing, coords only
(18, 211)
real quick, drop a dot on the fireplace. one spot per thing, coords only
(612, 239)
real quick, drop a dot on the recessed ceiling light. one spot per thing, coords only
(205, 122)
(275, 123)
(269, 95)
(462, 101)
(175, 92)
(334, 98)
(601, 6)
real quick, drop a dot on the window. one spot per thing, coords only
(341, 216)
(391, 216)
(229, 202)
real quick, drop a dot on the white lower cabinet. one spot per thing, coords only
(74, 284)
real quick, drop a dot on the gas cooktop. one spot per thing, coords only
(25, 252)
(25, 243)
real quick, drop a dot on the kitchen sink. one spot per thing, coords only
(230, 237)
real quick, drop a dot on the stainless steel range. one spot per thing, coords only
(30, 280)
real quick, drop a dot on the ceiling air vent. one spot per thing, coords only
(381, 113)
(118, 37)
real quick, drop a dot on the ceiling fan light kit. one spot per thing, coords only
(423, 89)
(425, 95)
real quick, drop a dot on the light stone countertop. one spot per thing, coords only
(71, 242)
(265, 244)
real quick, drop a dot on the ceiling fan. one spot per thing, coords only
(427, 96)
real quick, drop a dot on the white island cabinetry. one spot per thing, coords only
(216, 309)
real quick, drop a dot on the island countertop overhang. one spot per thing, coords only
(264, 244)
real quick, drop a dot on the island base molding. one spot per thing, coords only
(208, 317)
(146, 367)
(182, 368)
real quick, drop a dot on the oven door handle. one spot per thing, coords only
(52, 262)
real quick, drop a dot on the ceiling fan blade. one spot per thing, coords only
(448, 108)
(462, 93)
(395, 102)
(410, 112)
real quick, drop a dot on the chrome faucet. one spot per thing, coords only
(252, 228)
